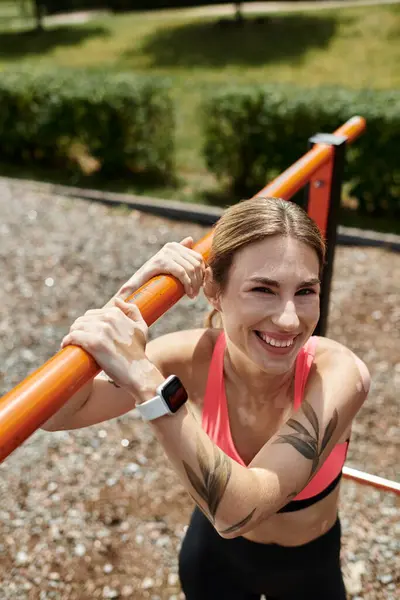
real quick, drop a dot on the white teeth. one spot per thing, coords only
(276, 343)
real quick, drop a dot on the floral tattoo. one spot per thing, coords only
(216, 472)
(308, 444)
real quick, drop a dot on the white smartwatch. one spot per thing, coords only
(171, 395)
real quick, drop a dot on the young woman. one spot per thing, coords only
(261, 444)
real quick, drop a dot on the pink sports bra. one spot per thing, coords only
(215, 422)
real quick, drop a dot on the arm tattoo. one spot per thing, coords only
(240, 524)
(215, 475)
(113, 382)
(308, 444)
(216, 469)
(216, 472)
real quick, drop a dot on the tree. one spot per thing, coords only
(238, 11)
(39, 11)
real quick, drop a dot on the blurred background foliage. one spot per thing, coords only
(311, 57)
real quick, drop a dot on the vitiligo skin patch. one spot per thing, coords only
(364, 384)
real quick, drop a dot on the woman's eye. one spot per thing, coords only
(263, 289)
(306, 291)
(303, 292)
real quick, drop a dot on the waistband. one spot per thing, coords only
(317, 550)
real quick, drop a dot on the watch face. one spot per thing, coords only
(174, 394)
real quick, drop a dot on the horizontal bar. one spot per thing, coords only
(372, 480)
(296, 176)
(32, 402)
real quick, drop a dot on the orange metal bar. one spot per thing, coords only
(25, 408)
(296, 176)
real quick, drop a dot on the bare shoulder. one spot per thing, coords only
(339, 381)
(186, 354)
(174, 351)
(329, 353)
(332, 356)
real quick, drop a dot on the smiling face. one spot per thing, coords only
(270, 306)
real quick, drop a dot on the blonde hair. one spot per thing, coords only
(251, 221)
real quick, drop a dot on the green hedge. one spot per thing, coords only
(121, 123)
(54, 6)
(157, 4)
(254, 133)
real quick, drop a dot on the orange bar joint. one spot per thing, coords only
(32, 402)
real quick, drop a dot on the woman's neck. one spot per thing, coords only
(257, 387)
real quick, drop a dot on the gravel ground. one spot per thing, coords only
(98, 513)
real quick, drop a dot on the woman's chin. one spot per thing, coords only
(282, 368)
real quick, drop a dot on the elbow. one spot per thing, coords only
(52, 426)
(255, 509)
(365, 377)
(226, 535)
(229, 532)
(48, 426)
(225, 531)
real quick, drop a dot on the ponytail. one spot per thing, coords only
(213, 319)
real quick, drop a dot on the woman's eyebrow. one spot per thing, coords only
(314, 281)
(274, 283)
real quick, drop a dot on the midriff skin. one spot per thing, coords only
(300, 527)
(286, 529)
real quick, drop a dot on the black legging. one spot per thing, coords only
(213, 568)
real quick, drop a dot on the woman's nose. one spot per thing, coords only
(286, 317)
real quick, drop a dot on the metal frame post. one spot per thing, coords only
(324, 194)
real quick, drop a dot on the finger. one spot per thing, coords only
(129, 309)
(184, 271)
(194, 257)
(186, 250)
(174, 264)
(187, 241)
(86, 318)
(78, 338)
(198, 274)
(133, 284)
(92, 311)
(195, 271)
(133, 312)
(87, 322)
(178, 253)
(111, 301)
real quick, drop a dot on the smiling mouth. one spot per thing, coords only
(274, 343)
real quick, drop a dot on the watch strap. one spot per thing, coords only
(153, 409)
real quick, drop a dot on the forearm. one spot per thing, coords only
(61, 419)
(64, 417)
(233, 497)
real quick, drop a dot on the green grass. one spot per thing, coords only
(349, 47)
